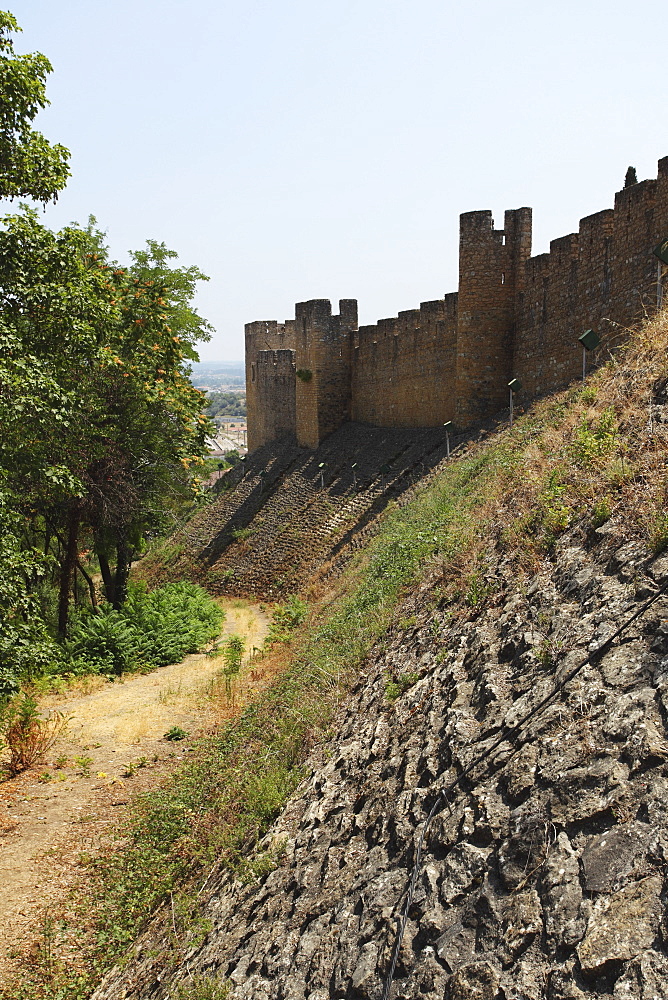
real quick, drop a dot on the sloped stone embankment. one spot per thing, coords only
(545, 877)
(291, 509)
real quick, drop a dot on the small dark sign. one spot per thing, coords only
(515, 385)
(661, 251)
(589, 340)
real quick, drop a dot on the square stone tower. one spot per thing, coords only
(491, 271)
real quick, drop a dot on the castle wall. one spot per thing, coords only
(403, 370)
(603, 278)
(640, 221)
(513, 316)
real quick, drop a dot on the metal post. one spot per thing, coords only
(511, 407)
(659, 285)
(584, 363)
(446, 427)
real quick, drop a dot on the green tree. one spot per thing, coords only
(159, 431)
(29, 165)
(631, 177)
(104, 426)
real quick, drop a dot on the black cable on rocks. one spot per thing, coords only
(442, 797)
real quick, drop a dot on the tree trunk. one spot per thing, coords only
(123, 561)
(67, 570)
(91, 587)
(107, 576)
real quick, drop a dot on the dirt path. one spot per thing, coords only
(114, 747)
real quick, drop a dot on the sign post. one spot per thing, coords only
(660, 251)
(448, 427)
(514, 386)
(590, 341)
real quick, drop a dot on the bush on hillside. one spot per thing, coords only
(151, 630)
(285, 619)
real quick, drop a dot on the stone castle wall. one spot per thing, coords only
(514, 316)
(403, 369)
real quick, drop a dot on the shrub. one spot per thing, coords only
(106, 642)
(26, 651)
(150, 630)
(25, 735)
(233, 653)
(285, 619)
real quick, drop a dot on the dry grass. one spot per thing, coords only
(590, 453)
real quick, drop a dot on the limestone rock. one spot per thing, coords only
(622, 926)
(478, 981)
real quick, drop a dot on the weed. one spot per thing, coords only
(46, 950)
(175, 733)
(546, 652)
(202, 988)
(131, 768)
(254, 868)
(601, 512)
(658, 533)
(24, 735)
(233, 653)
(593, 441)
(478, 589)
(170, 693)
(83, 763)
(406, 624)
(241, 534)
(45, 777)
(394, 689)
(285, 619)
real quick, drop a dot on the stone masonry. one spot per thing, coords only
(514, 316)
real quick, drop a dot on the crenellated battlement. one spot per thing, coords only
(513, 315)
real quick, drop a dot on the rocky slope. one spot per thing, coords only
(545, 875)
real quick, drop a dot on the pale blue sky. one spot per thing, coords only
(298, 150)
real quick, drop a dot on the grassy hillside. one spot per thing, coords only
(592, 455)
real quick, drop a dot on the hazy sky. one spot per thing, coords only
(324, 149)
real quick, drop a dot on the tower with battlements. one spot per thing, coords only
(513, 316)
